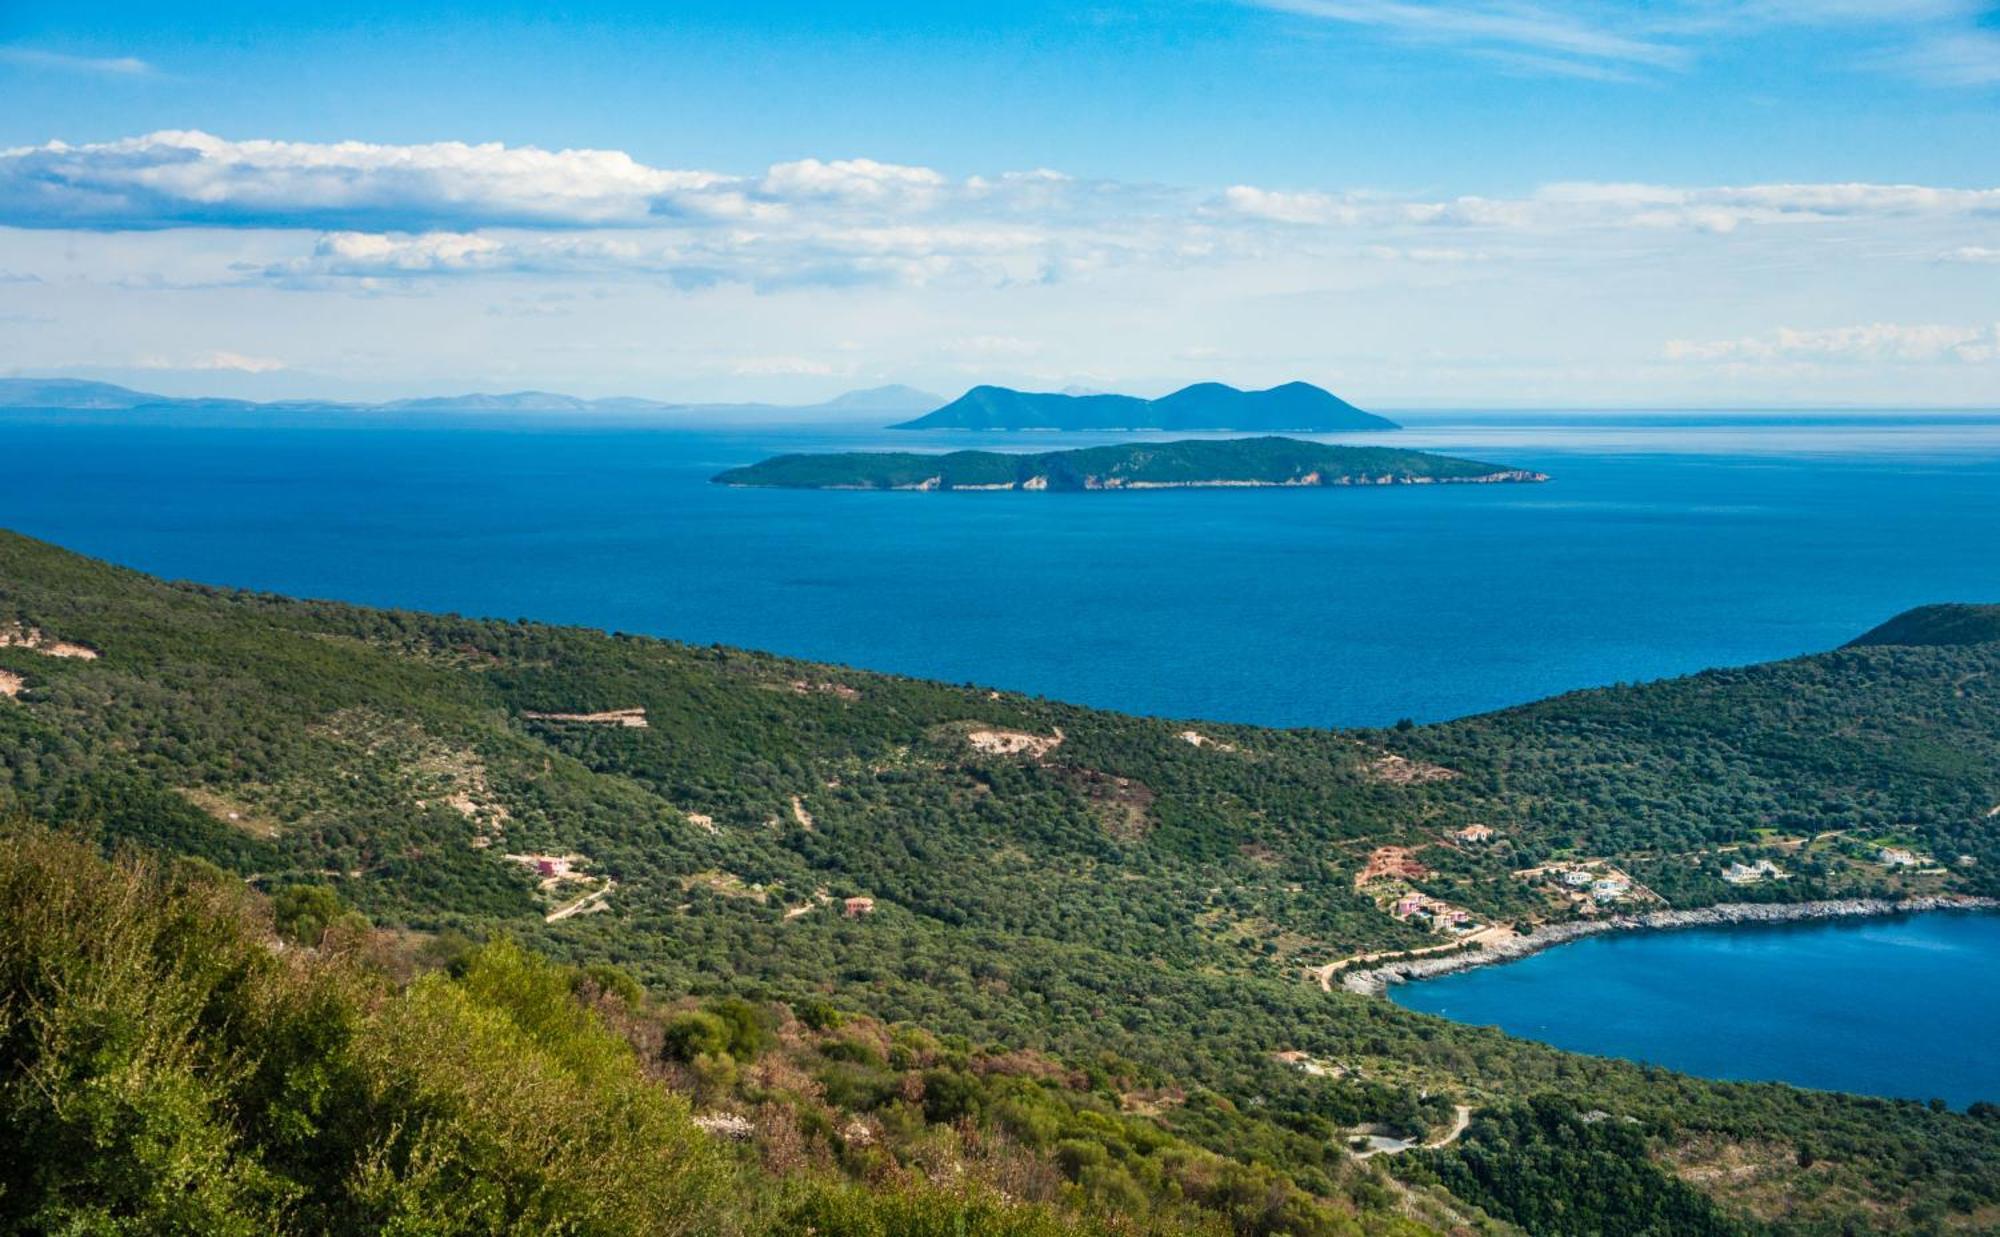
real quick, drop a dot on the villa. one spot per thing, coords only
(1578, 879)
(1609, 888)
(1751, 873)
(1474, 833)
(1897, 857)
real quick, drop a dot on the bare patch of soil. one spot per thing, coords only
(1394, 770)
(35, 640)
(632, 718)
(1014, 742)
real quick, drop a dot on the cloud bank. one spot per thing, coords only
(453, 209)
(188, 251)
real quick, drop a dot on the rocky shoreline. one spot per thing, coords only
(1375, 980)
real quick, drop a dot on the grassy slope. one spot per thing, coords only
(1127, 892)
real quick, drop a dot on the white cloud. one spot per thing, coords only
(993, 347)
(365, 253)
(1939, 41)
(234, 362)
(780, 366)
(113, 66)
(451, 207)
(1283, 207)
(1598, 204)
(390, 263)
(1879, 341)
(1957, 58)
(187, 177)
(1425, 255)
(854, 180)
(1532, 27)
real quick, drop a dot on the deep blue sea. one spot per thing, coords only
(1666, 543)
(1903, 1006)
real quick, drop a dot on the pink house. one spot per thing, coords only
(855, 908)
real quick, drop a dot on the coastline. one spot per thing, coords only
(1376, 980)
(1099, 484)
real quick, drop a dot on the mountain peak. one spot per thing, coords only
(1294, 407)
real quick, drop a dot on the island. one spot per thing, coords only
(1198, 463)
(1295, 408)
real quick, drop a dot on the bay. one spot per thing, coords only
(1902, 1006)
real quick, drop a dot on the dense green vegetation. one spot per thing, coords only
(1295, 407)
(1932, 625)
(1551, 1169)
(1131, 898)
(167, 1063)
(1197, 462)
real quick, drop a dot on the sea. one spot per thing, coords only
(1665, 543)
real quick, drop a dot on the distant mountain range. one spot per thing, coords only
(70, 393)
(1295, 407)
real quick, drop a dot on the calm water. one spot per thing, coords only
(1904, 1007)
(1664, 545)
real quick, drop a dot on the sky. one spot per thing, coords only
(1500, 203)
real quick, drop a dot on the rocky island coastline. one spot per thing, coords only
(1236, 463)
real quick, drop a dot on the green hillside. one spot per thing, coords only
(1938, 625)
(1138, 902)
(1126, 466)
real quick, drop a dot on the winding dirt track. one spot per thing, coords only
(1460, 1120)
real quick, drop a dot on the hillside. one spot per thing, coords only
(1046, 879)
(70, 393)
(1196, 463)
(1937, 625)
(1295, 407)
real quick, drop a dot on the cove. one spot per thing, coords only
(1903, 1006)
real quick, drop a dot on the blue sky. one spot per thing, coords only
(1512, 201)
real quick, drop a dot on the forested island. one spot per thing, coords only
(1232, 463)
(1294, 407)
(322, 918)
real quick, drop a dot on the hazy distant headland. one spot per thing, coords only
(1295, 407)
(1231, 463)
(73, 394)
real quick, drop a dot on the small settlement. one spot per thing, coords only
(1386, 879)
(1588, 886)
